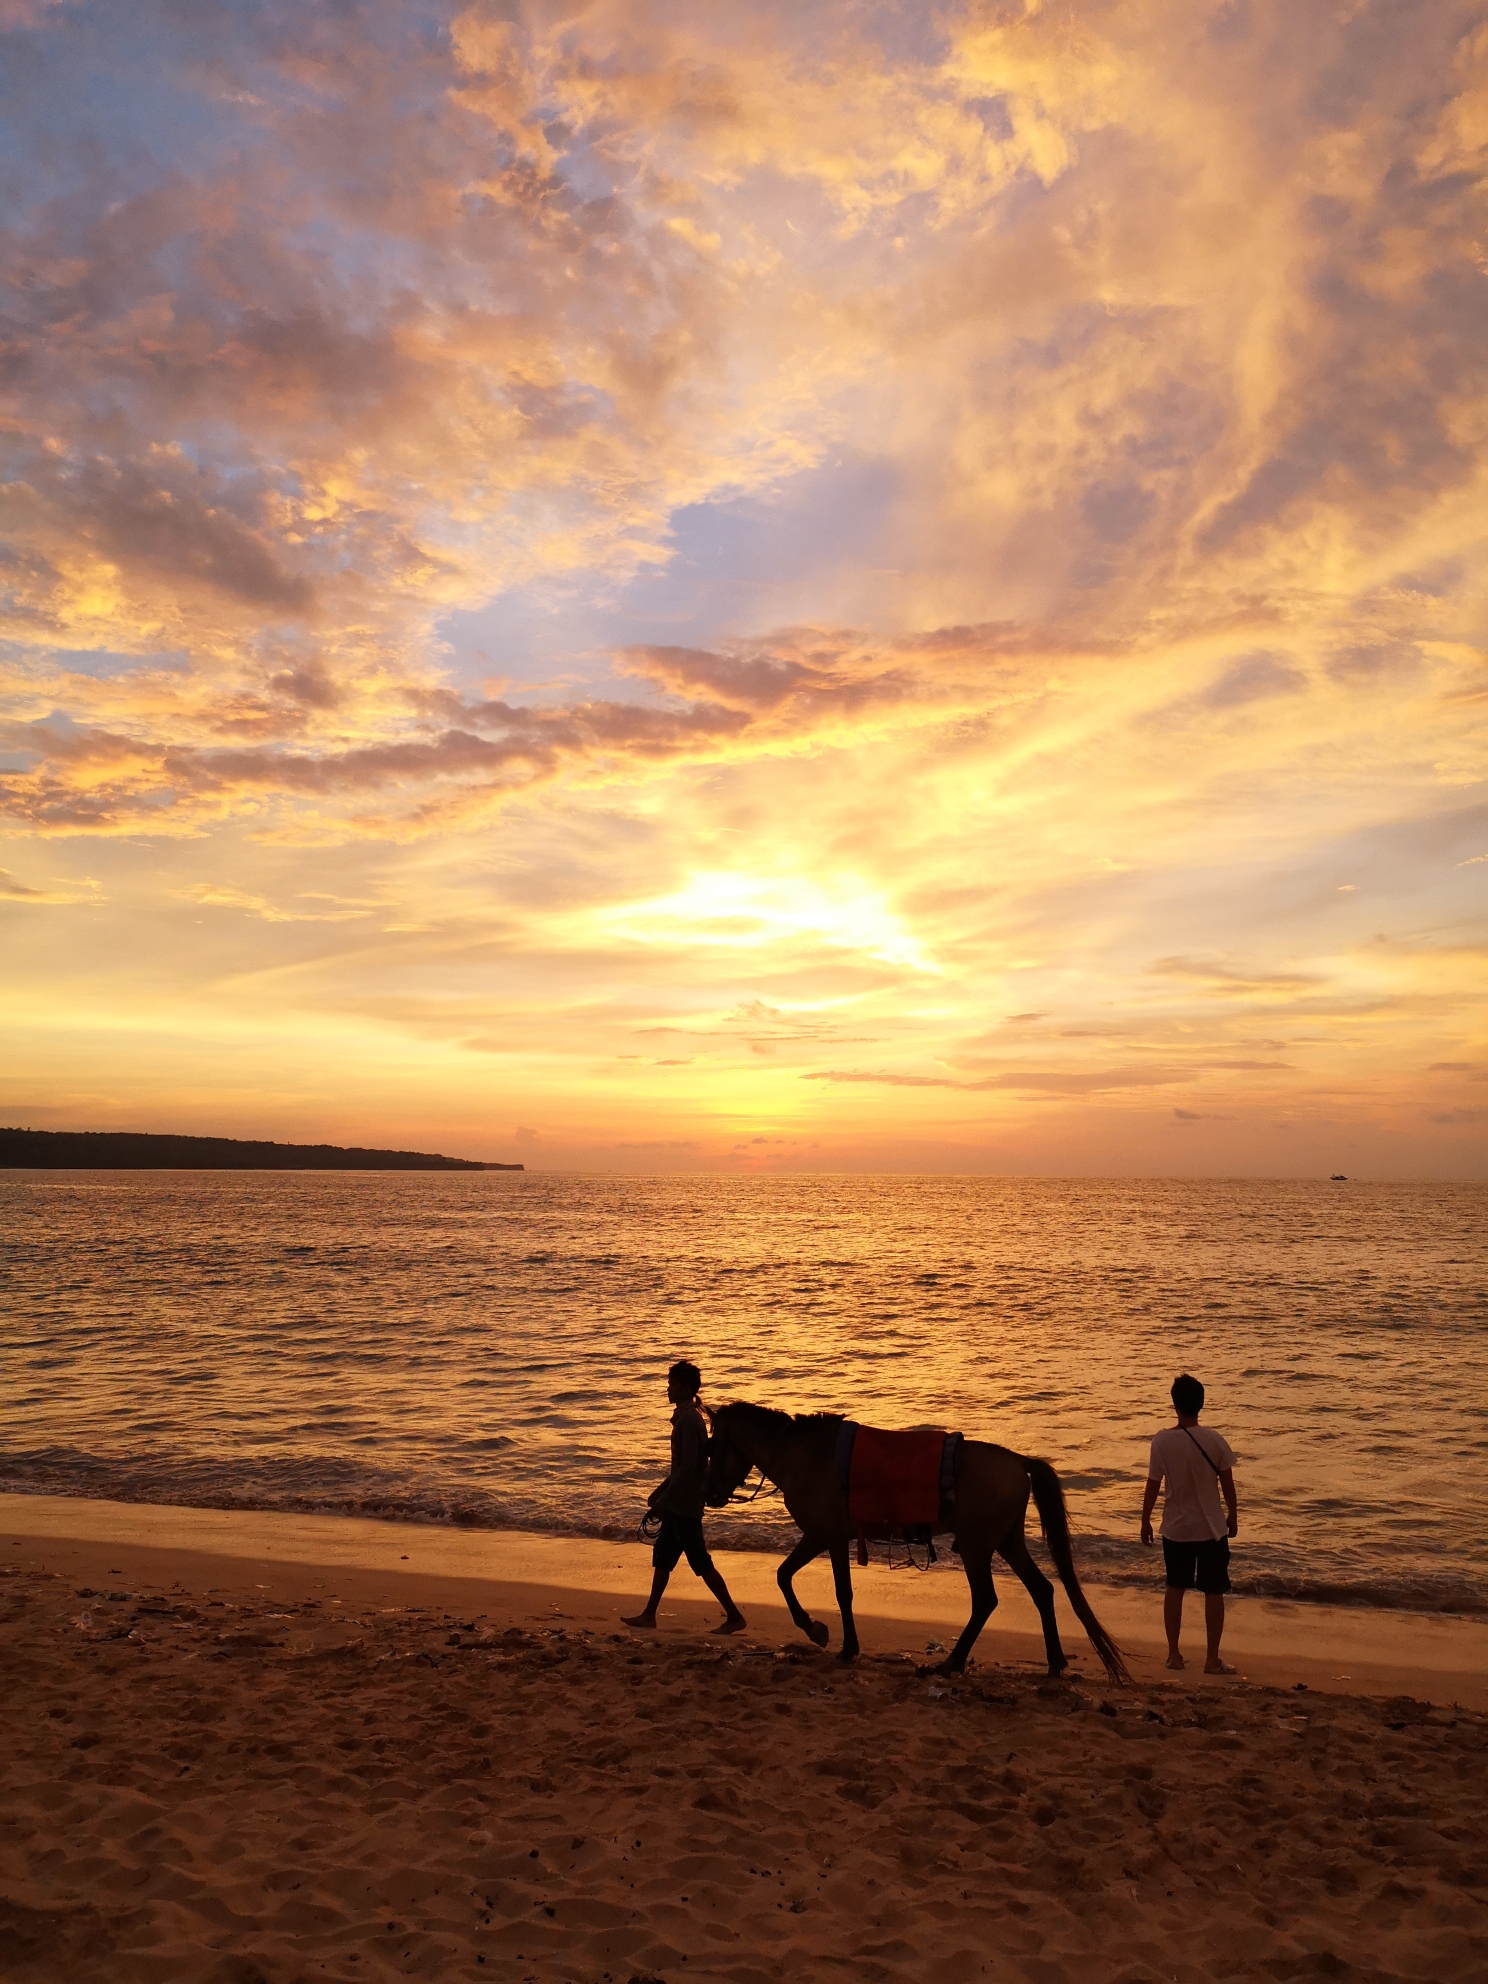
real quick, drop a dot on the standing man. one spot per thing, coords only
(1197, 1468)
(679, 1502)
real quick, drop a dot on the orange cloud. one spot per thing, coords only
(992, 498)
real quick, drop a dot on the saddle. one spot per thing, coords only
(895, 1481)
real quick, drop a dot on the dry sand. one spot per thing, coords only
(243, 1748)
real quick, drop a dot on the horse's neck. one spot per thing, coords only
(765, 1448)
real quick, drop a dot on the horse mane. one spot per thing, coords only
(767, 1418)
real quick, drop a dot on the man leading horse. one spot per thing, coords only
(679, 1501)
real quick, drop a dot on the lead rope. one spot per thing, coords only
(650, 1522)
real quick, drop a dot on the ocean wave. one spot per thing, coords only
(444, 1509)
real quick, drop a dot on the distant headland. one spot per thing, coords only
(136, 1150)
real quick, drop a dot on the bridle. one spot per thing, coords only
(736, 1496)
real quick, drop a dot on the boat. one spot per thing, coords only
(1339, 1178)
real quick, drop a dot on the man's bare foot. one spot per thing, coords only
(734, 1625)
(646, 1625)
(1174, 1660)
(1217, 1666)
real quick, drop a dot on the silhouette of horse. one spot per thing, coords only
(991, 1500)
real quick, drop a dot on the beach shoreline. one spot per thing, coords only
(266, 1750)
(526, 1578)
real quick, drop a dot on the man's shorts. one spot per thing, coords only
(681, 1536)
(1205, 1564)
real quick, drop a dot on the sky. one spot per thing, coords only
(753, 587)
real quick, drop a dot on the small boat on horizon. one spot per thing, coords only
(1339, 1178)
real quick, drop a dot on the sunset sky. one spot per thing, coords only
(646, 587)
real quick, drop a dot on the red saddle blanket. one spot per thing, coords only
(895, 1478)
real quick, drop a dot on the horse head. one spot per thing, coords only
(728, 1467)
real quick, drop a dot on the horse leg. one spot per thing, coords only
(842, 1578)
(1015, 1551)
(802, 1555)
(978, 1565)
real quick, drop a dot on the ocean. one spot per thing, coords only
(491, 1349)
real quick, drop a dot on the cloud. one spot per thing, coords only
(571, 299)
(762, 1028)
(1250, 679)
(24, 13)
(119, 779)
(1036, 1082)
(757, 531)
(1219, 978)
(750, 679)
(218, 895)
(14, 890)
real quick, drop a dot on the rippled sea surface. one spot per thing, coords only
(491, 1348)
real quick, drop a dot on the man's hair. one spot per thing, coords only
(690, 1377)
(1188, 1396)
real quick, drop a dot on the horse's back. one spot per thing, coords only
(992, 1491)
(991, 1495)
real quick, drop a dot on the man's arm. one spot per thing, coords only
(1232, 1507)
(693, 1458)
(1149, 1503)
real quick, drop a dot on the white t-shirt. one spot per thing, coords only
(1192, 1511)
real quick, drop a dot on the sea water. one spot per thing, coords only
(491, 1349)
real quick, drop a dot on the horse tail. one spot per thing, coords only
(1049, 1499)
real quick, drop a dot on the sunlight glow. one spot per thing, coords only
(747, 912)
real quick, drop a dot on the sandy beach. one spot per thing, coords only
(248, 1748)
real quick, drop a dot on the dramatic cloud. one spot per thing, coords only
(531, 531)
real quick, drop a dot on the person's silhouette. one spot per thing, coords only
(1197, 1470)
(679, 1503)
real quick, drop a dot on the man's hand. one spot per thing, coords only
(1233, 1524)
(1149, 1503)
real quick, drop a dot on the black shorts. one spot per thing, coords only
(1205, 1564)
(681, 1536)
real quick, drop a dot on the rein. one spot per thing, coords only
(764, 1486)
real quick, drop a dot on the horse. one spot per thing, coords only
(992, 1488)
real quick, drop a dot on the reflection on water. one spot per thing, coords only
(491, 1348)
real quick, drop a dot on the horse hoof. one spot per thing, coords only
(847, 1656)
(816, 1632)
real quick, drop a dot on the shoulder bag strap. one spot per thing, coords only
(1218, 1470)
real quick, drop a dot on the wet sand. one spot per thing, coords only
(248, 1747)
(525, 1579)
